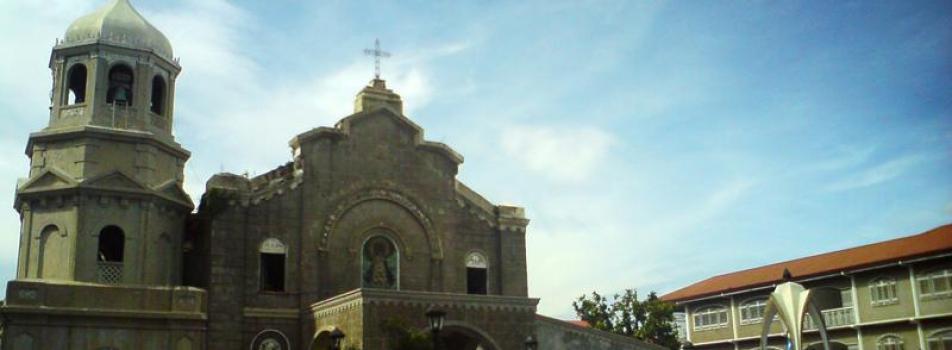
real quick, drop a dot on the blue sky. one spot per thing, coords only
(653, 143)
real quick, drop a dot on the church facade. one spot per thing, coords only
(361, 234)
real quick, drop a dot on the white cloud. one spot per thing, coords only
(565, 154)
(877, 174)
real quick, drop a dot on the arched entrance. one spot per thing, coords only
(834, 345)
(322, 341)
(461, 336)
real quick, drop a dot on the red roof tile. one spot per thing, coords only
(937, 240)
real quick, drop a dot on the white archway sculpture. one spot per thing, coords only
(790, 302)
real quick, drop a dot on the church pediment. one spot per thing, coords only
(172, 190)
(403, 126)
(116, 180)
(49, 179)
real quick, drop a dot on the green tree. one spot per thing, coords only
(650, 320)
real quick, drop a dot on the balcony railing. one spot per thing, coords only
(109, 272)
(833, 317)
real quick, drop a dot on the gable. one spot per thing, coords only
(115, 180)
(382, 124)
(172, 190)
(49, 179)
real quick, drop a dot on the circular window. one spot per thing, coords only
(270, 340)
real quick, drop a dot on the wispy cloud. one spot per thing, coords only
(877, 174)
(566, 154)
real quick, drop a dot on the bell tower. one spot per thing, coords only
(103, 202)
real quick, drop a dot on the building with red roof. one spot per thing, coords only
(890, 295)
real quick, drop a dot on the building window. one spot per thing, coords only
(937, 284)
(272, 259)
(476, 274)
(941, 340)
(380, 266)
(883, 292)
(889, 342)
(121, 82)
(157, 104)
(270, 339)
(710, 317)
(752, 311)
(76, 84)
(111, 252)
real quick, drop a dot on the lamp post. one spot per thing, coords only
(336, 338)
(531, 343)
(436, 317)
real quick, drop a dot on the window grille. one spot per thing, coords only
(110, 272)
(936, 285)
(883, 292)
(889, 343)
(709, 318)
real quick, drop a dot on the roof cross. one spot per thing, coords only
(377, 53)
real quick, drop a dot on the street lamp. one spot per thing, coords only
(531, 343)
(336, 338)
(436, 317)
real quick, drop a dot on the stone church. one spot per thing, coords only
(363, 232)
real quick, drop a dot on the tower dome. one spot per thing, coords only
(118, 23)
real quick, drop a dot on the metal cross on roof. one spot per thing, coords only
(377, 53)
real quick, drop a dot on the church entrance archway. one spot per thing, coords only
(322, 341)
(465, 337)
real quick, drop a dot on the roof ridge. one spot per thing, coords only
(898, 248)
(808, 257)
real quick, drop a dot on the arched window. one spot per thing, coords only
(51, 252)
(380, 266)
(184, 343)
(157, 104)
(110, 255)
(476, 273)
(752, 311)
(76, 84)
(710, 317)
(270, 339)
(121, 81)
(273, 254)
(941, 340)
(23, 341)
(882, 291)
(936, 284)
(889, 342)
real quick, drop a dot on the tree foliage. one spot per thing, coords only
(650, 320)
(403, 337)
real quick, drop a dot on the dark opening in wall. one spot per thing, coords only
(121, 81)
(475, 280)
(76, 84)
(112, 243)
(272, 272)
(158, 95)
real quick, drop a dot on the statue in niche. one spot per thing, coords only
(269, 344)
(380, 264)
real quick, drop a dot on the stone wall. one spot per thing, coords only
(554, 334)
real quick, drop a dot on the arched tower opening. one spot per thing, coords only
(121, 81)
(76, 84)
(110, 255)
(157, 104)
